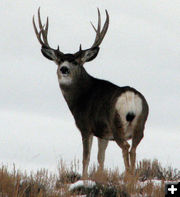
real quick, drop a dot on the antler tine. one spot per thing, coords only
(99, 21)
(45, 32)
(100, 33)
(105, 27)
(39, 19)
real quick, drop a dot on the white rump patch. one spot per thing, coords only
(128, 102)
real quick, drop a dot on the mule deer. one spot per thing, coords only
(99, 107)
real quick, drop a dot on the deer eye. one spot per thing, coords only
(64, 70)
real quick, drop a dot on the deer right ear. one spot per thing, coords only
(49, 53)
(89, 54)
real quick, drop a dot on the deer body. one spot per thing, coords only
(100, 108)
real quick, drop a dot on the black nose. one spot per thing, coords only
(64, 70)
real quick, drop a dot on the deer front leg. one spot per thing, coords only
(102, 145)
(87, 144)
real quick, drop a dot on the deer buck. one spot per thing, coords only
(99, 107)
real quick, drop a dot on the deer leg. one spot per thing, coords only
(125, 152)
(133, 159)
(102, 145)
(87, 144)
(137, 137)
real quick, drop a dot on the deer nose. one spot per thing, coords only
(64, 70)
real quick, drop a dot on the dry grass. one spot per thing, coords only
(108, 183)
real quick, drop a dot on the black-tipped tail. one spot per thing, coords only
(130, 116)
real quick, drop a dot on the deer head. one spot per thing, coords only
(70, 66)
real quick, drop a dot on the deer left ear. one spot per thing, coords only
(89, 54)
(49, 53)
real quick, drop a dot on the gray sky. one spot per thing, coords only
(141, 49)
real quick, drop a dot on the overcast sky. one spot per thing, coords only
(141, 49)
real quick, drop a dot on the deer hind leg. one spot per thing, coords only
(102, 145)
(87, 144)
(137, 137)
(125, 152)
(120, 140)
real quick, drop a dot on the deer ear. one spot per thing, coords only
(49, 53)
(89, 54)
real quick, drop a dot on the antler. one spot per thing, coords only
(43, 30)
(42, 34)
(100, 33)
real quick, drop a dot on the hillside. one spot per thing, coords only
(149, 180)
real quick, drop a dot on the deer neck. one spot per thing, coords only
(74, 92)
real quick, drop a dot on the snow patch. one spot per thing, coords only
(80, 183)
